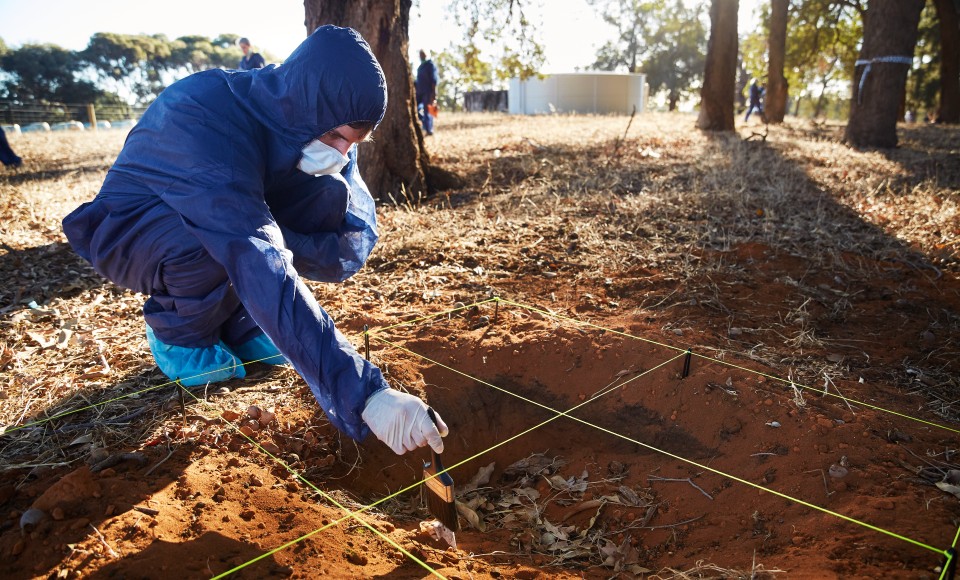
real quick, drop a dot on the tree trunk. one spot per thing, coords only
(821, 100)
(720, 72)
(949, 15)
(889, 31)
(396, 161)
(776, 101)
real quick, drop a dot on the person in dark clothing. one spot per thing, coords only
(250, 60)
(426, 92)
(231, 188)
(756, 100)
(7, 156)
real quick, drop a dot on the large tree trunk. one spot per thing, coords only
(396, 161)
(776, 102)
(948, 13)
(720, 71)
(889, 31)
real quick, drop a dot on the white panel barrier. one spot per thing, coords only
(593, 92)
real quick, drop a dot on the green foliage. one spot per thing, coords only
(45, 72)
(196, 53)
(499, 43)
(461, 69)
(823, 43)
(125, 65)
(678, 46)
(500, 29)
(633, 22)
(753, 49)
(923, 83)
(666, 40)
(135, 62)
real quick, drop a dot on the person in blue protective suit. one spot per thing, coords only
(426, 91)
(756, 100)
(231, 187)
(250, 60)
(7, 156)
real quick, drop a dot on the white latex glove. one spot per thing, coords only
(400, 420)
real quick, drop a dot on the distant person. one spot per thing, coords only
(426, 90)
(7, 156)
(756, 100)
(250, 60)
(229, 192)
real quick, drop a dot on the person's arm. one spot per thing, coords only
(328, 222)
(226, 212)
(257, 61)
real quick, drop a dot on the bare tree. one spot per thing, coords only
(720, 71)
(775, 105)
(948, 12)
(396, 162)
(879, 84)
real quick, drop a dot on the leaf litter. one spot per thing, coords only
(708, 216)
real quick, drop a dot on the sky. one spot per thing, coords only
(277, 25)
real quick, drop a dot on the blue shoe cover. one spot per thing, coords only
(195, 366)
(260, 349)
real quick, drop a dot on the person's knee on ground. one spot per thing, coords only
(247, 341)
(195, 366)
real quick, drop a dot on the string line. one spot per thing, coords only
(677, 457)
(354, 514)
(732, 365)
(326, 496)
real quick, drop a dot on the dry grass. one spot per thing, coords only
(557, 211)
(667, 225)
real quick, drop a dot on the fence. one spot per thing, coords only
(35, 115)
(485, 101)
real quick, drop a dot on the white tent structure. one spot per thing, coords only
(588, 92)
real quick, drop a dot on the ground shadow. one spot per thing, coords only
(770, 240)
(206, 556)
(42, 273)
(94, 460)
(30, 172)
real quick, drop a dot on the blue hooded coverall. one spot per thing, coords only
(7, 156)
(206, 211)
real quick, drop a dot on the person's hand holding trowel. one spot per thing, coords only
(401, 421)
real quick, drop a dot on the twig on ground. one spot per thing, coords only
(113, 553)
(159, 463)
(663, 526)
(762, 136)
(687, 479)
(824, 475)
(146, 510)
(620, 140)
(118, 458)
(828, 381)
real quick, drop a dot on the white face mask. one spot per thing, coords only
(321, 159)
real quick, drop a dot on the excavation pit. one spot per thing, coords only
(605, 456)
